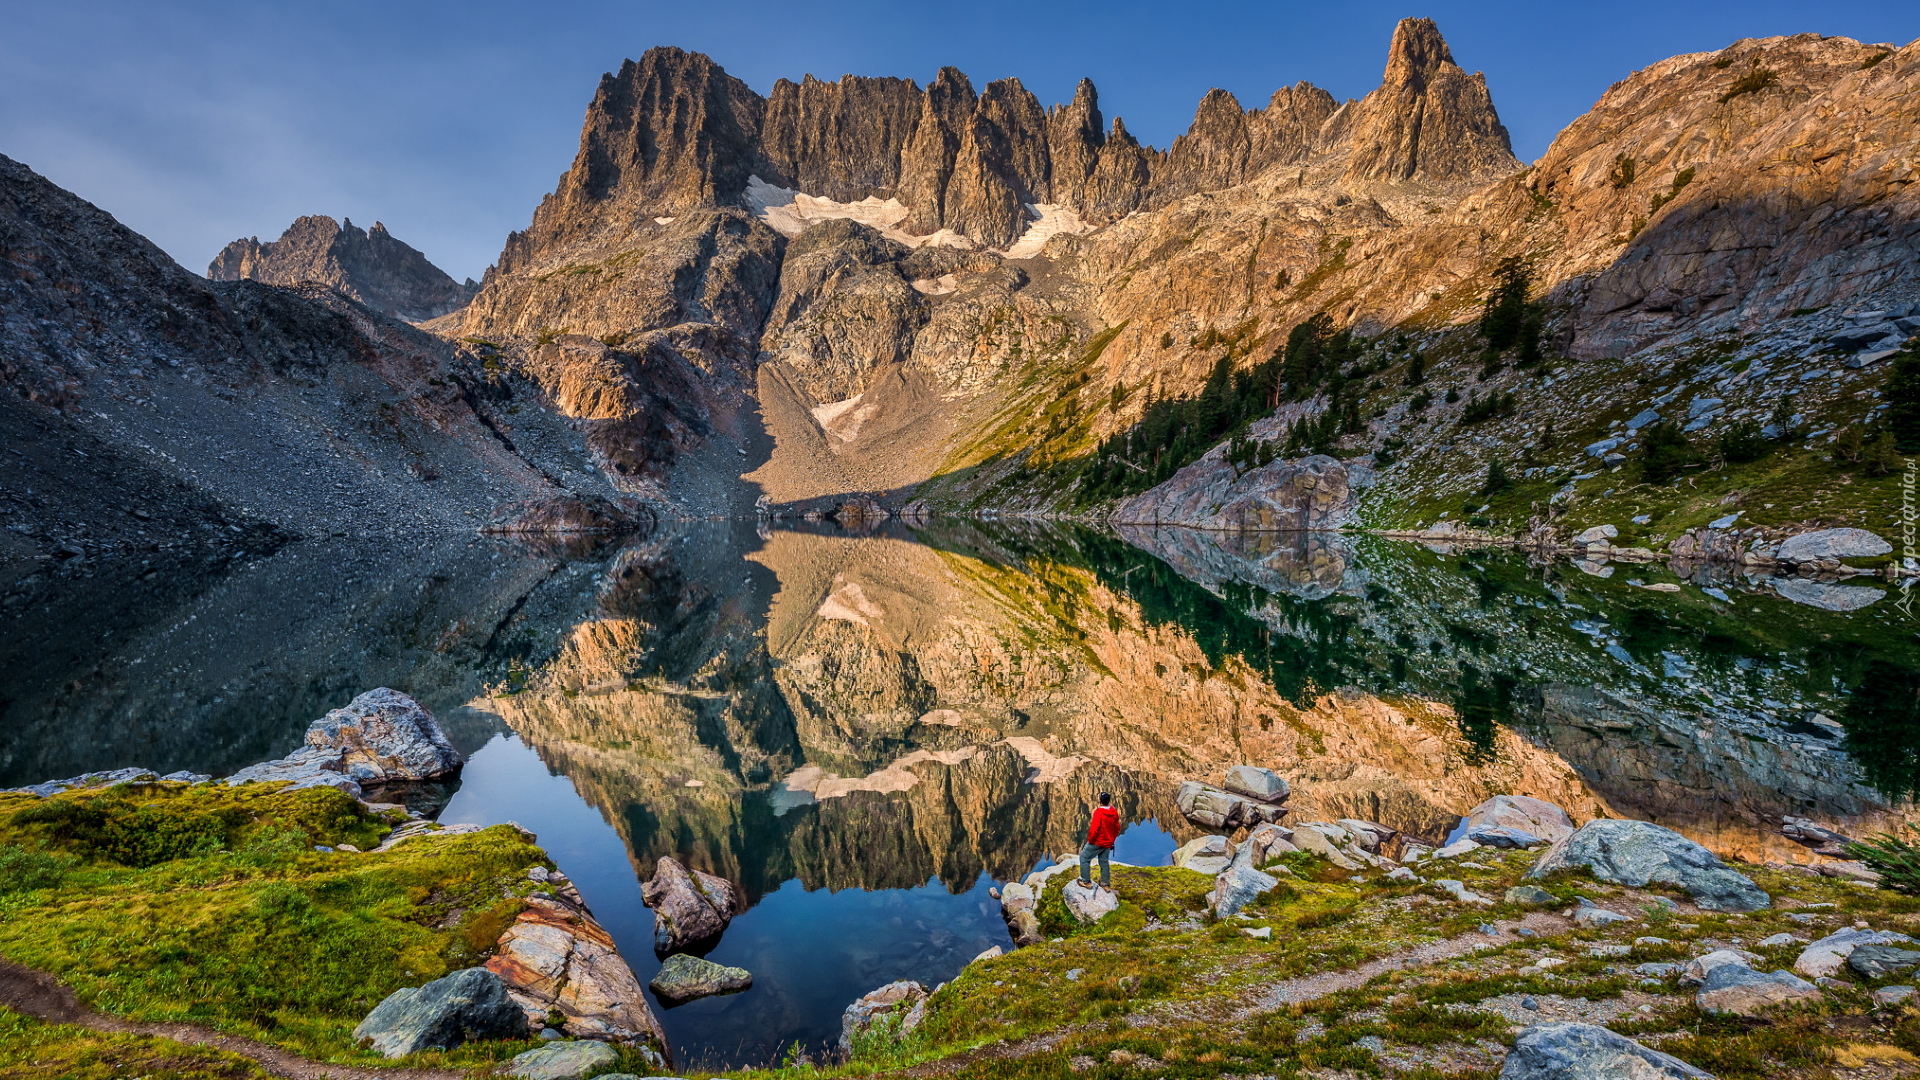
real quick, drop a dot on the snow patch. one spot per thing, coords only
(843, 419)
(849, 603)
(663, 221)
(939, 286)
(789, 212)
(1050, 220)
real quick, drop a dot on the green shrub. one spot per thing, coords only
(1742, 442)
(1897, 861)
(1665, 451)
(1751, 83)
(25, 869)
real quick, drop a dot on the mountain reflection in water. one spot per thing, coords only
(865, 731)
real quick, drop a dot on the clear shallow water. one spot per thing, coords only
(865, 732)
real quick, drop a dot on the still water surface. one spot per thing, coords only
(866, 732)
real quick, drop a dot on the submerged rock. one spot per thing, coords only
(466, 1006)
(1638, 852)
(685, 977)
(1589, 1052)
(688, 906)
(896, 1008)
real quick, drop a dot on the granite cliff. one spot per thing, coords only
(954, 293)
(367, 265)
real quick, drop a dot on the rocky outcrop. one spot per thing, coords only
(689, 906)
(556, 958)
(1236, 888)
(381, 738)
(1312, 494)
(1518, 813)
(466, 1006)
(367, 265)
(1637, 852)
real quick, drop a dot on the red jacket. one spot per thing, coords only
(1105, 828)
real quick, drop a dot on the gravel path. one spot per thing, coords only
(39, 995)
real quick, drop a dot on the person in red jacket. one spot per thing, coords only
(1101, 834)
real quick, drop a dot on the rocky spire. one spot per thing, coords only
(927, 162)
(667, 133)
(842, 140)
(1288, 129)
(1074, 138)
(1429, 120)
(367, 265)
(1212, 154)
(1120, 176)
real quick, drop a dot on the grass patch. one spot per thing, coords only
(31, 1048)
(221, 913)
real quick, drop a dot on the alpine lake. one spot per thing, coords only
(866, 731)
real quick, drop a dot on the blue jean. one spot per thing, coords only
(1090, 853)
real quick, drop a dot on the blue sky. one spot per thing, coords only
(197, 123)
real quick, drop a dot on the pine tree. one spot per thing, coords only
(1417, 369)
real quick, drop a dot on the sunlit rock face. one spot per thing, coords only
(876, 710)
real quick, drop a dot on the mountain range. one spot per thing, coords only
(958, 297)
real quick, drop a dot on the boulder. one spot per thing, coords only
(1369, 836)
(1596, 534)
(1698, 968)
(1256, 783)
(1824, 958)
(896, 1009)
(1206, 855)
(381, 737)
(1565, 1051)
(1016, 897)
(1738, 990)
(1638, 852)
(556, 958)
(563, 1061)
(1459, 891)
(1317, 838)
(1505, 838)
(1238, 887)
(466, 1006)
(1266, 842)
(1880, 961)
(1024, 928)
(685, 977)
(1216, 809)
(1525, 813)
(1888, 997)
(689, 907)
(1832, 544)
(1822, 840)
(1590, 916)
(1089, 903)
(1530, 895)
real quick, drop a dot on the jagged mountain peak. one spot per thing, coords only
(368, 265)
(1416, 53)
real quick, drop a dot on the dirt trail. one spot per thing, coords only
(1284, 992)
(41, 996)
